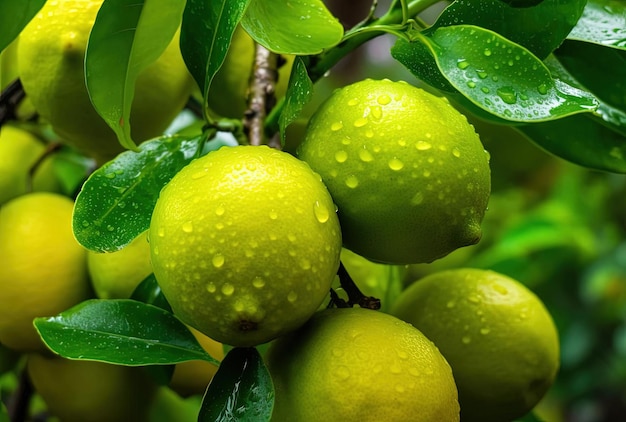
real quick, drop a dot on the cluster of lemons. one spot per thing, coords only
(246, 242)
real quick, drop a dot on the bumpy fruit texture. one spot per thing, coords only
(51, 53)
(245, 244)
(86, 391)
(44, 269)
(407, 171)
(355, 364)
(497, 335)
(19, 152)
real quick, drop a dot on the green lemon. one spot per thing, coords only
(356, 364)
(115, 275)
(51, 52)
(245, 244)
(87, 391)
(497, 335)
(20, 150)
(44, 269)
(407, 171)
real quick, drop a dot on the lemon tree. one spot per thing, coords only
(358, 364)
(497, 335)
(408, 172)
(258, 238)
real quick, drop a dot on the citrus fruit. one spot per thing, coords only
(355, 364)
(51, 52)
(20, 150)
(228, 95)
(407, 171)
(115, 275)
(496, 334)
(44, 269)
(87, 391)
(245, 244)
(193, 377)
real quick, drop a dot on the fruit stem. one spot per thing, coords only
(10, 98)
(20, 401)
(355, 296)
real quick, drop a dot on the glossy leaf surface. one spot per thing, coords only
(14, 16)
(299, 93)
(603, 22)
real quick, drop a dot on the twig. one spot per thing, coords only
(355, 296)
(20, 400)
(10, 98)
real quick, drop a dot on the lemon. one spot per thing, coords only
(407, 171)
(245, 244)
(355, 364)
(19, 152)
(43, 269)
(228, 95)
(194, 376)
(87, 391)
(51, 52)
(497, 335)
(115, 275)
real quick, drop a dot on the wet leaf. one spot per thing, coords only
(603, 22)
(241, 390)
(149, 291)
(299, 93)
(14, 16)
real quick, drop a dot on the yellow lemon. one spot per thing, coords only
(496, 334)
(407, 171)
(44, 269)
(245, 244)
(356, 364)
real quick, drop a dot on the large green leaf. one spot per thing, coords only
(207, 30)
(297, 27)
(127, 36)
(120, 331)
(241, 390)
(495, 74)
(603, 22)
(540, 28)
(116, 202)
(299, 93)
(14, 16)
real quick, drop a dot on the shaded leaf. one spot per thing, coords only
(207, 30)
(120, 331)
(126, 37)
(540, 28)
(241, 390)
(301, 27)
(149, 291)
(299, 93)
(603, 22)
(116, 202)
(14, 16)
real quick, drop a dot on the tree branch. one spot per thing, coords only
(261, 98)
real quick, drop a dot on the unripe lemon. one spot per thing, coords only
(44, 269)
(245, 244)
(407, 171)
(51, 52)
(19, 151)
(87, 391)
(356, 364)
(496, 334)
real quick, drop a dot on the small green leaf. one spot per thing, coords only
(241, 390)
(116, 202)
(540, 28)
(14, 16)
(120, 331)
(207, 30)
(300, 27)
(502, 77)
(126, 37)
(149, 291)
(299, 93)
(602, 22)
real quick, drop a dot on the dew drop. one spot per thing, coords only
(258, 282)
(507, 95)
(211, 287)
(352, 181)
(321, 212)
(292, 296)
(466, 340)
(487, 52)
(471, 84)
(110, 175)
(353, 101)
(218, 260)
(500, 289)
(383, 99)
(395, 164)
(377, 112)
(336, 126)
(365, 155)
(360, 122)
(451, 304)
(220, 210)
(423, 145)
(417, 199)
(481, 74)
(484, 331)
(341, 156)
(228, 289)
(85, 223)
(110, 228)
(273, 215)
(485, 90)
(456, 152)
(542, 89)
(462, 64)
(188, 227)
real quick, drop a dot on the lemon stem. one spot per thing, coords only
(10, 98)
(20, 401)
(355, 296)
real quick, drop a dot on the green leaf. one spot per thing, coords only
(149, 291)
(14, 16)
(499, 76)
(300, 27)
(116, 202)
(120, 331)
(603, 22)
(206, 33)
(126, 37)
(241, 390)
(299, 93)
(540, 28)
